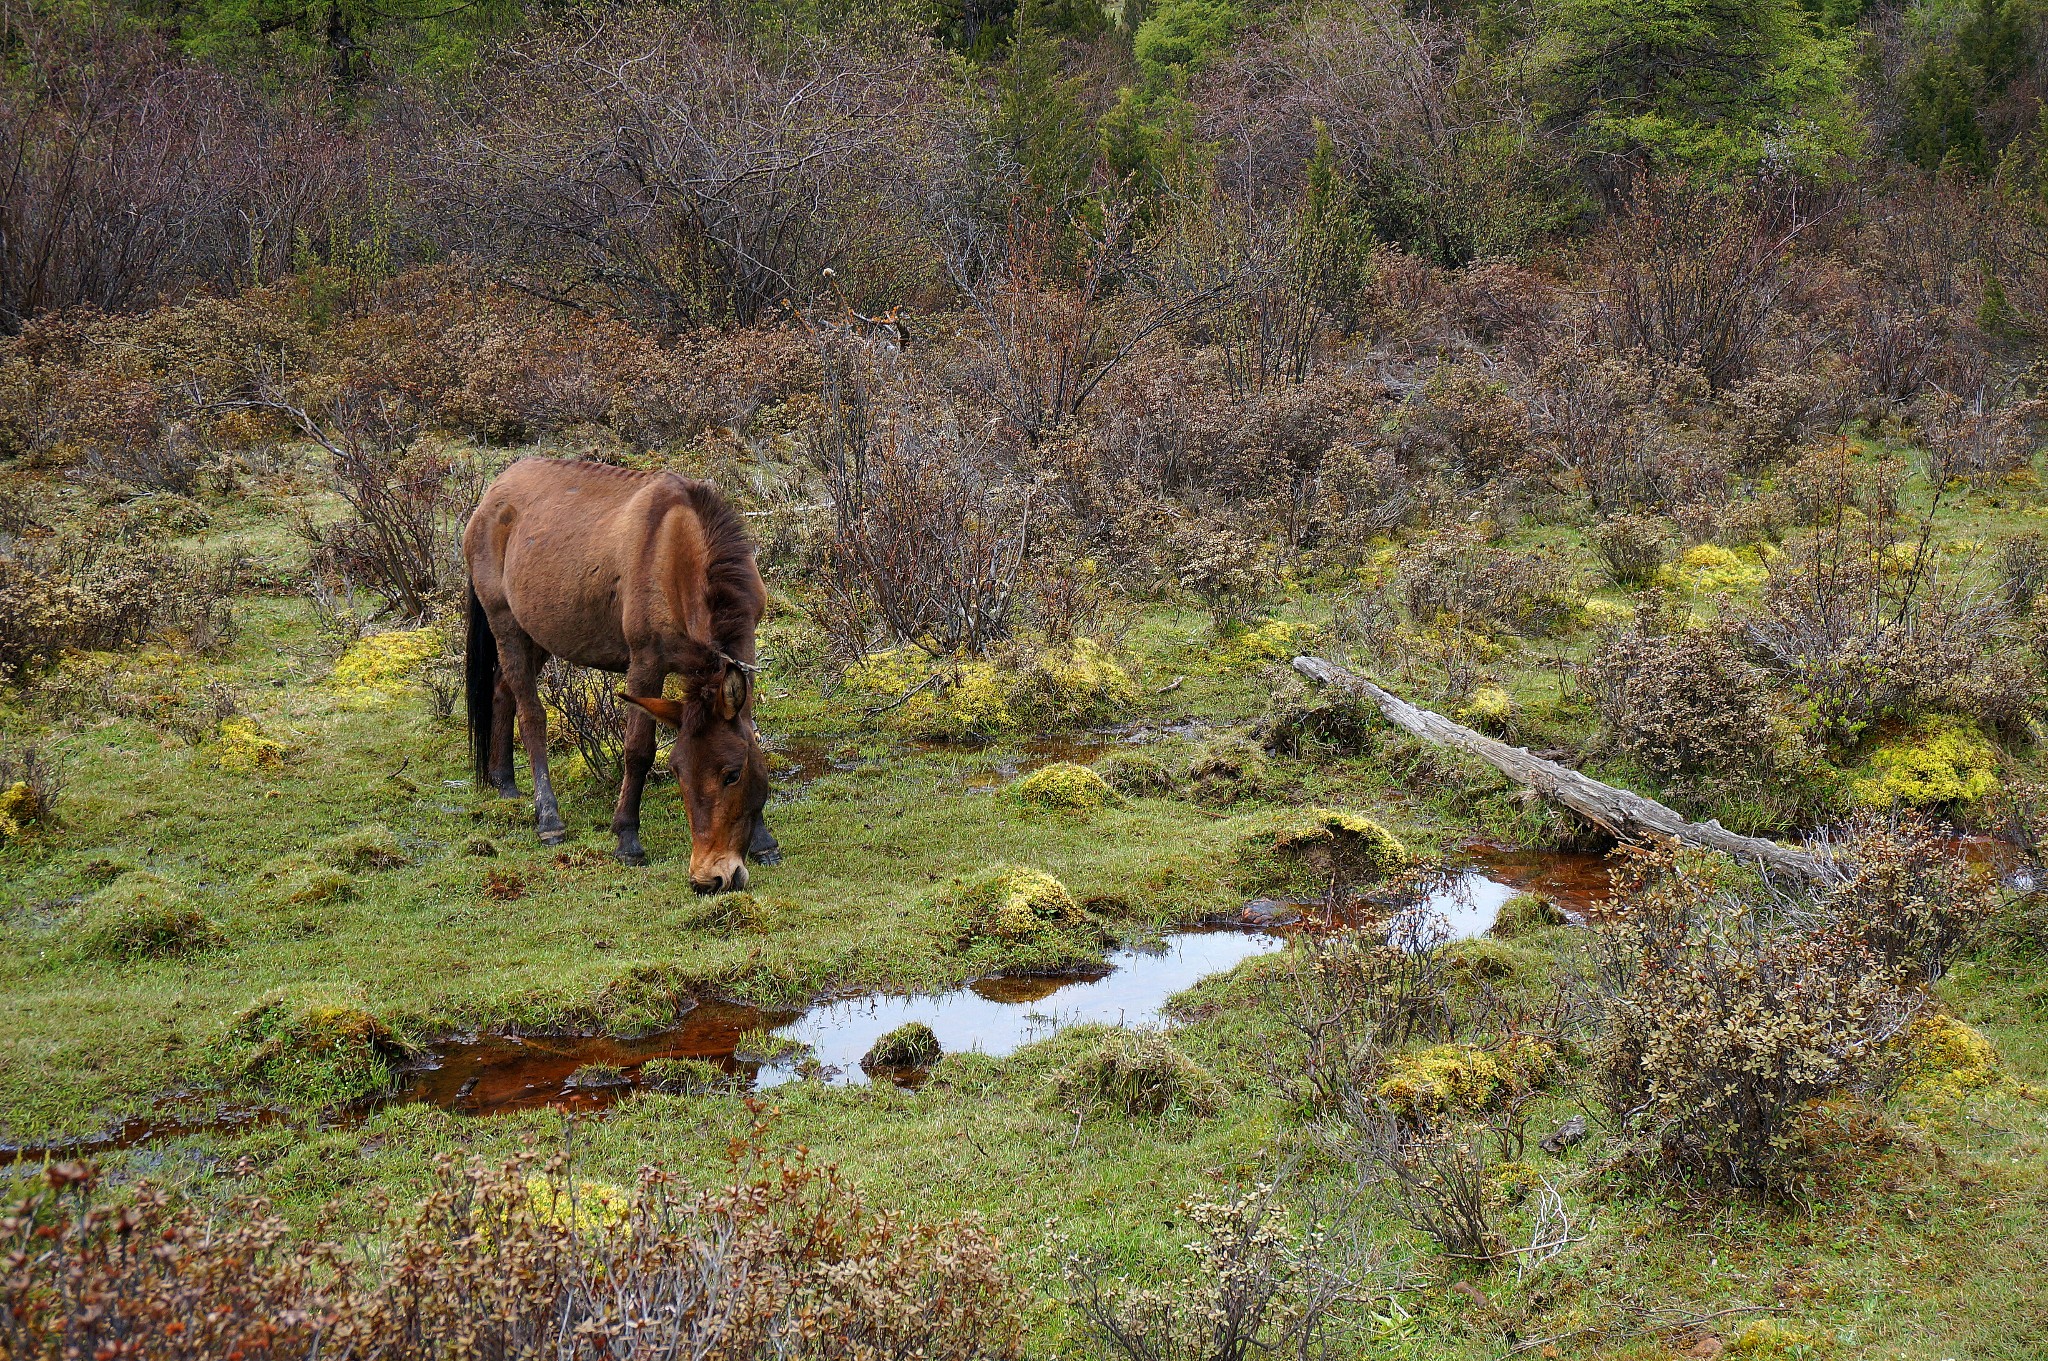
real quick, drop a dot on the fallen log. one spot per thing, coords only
(1621, 814)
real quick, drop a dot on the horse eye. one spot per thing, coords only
(732, 777)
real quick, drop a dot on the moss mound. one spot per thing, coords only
(367, 848)
(1138, 1072)
(1947, 1060)
(1318, 723)
(765, 1046)
(732, 913)
(1015, 917)
(911, 1045)
(244, 750)
(140, 916)
(298, 880)
(684, 1077)
(1942, 763)
(1526, 913)
(1064, 787)
(380, 668)
(314, 1047)
(1137, 773)
(596, 1077)
(1450, 1078)
(1073, 685)
(21, 808)
(1308, 851)
(1226, 769)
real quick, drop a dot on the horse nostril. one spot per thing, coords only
(739, 878)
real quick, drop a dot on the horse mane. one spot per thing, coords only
(732, 584)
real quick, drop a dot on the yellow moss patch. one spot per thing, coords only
(1461, 1077)
(1707, 568)
(1064, 786)
(1072, 685)
(1948, 1059)
(244, 749)
(1769, 1338)
(1487, 704)
(378, 668)
(1603, 613)
(1016, 916)
(582, 1205)
(1276, 640)
(1309, 851)
(1942, 763)
(19, 807)
(959, 701)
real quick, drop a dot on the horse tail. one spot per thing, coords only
(480, 666)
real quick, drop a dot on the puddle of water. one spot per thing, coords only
(1576, 881)
(996, 1016)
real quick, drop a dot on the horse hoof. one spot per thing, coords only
(554, 838)
(768, 858)
(635, 858)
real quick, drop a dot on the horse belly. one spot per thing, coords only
(568, 603)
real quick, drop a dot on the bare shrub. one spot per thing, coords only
(1255, 1289)
(518, 1260)
(1723, 1021)
(1435, 1179)
(1600, 420)
(584, 707)
(1229, 571)
(407, 503)
(1967, 442)
(104, 586)
(1827, 480)
(1631, 547)
(1047, 337)
(1456, 574)
(934, 538)
(687, 172)
(1866, 627)
(130, 173)
(1353, 995)
(1700, 276)
(2022, 571)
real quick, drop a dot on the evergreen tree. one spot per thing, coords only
(1712, 85)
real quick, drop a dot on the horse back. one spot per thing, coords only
(599, 564)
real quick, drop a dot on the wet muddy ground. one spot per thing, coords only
(493, 1074)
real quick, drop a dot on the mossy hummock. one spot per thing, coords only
(1307, 852)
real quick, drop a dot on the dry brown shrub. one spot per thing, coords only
(1681, 700)
(1456, 575)
(1723, 1021)
(1906, 893)
(522, 1260)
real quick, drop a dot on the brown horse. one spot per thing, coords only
(643, 573)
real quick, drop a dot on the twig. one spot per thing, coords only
(1169, 689)
(901, 699)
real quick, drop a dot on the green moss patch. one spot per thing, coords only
(370, 847)
(1227, 769)
(1306, 852)
(685, 1077)
(1137, 1072)
(1064, 787)
(1526, 913)
(140, 916)
(315, 1048)
(911, 1045)
(1012, 916)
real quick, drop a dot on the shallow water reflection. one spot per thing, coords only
(996, 1016)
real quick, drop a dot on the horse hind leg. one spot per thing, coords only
(504, 778)
(639, 759)
(521, 661)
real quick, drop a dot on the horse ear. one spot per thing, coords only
(732, 694)
(664, 710)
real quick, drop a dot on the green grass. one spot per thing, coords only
(1924, 1244)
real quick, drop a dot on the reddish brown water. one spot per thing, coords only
(1576, 881)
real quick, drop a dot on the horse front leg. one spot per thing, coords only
(521, 665)
(639, 759)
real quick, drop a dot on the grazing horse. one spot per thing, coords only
(649, 574)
